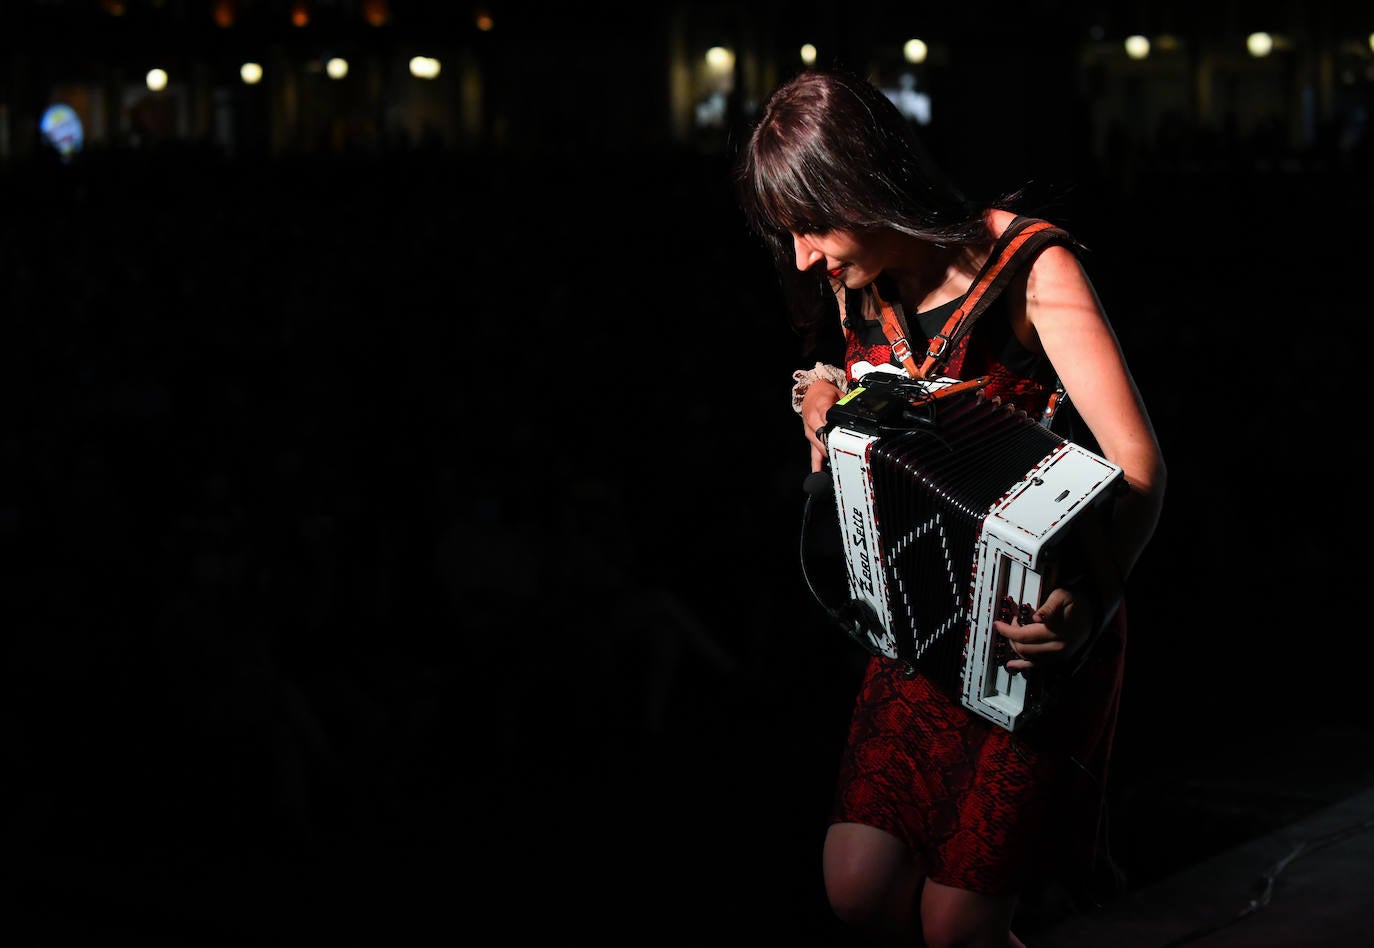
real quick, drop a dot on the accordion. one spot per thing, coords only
(955, 510)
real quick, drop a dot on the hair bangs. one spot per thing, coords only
(786, 195)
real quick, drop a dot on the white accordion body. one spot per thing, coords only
(951, 510)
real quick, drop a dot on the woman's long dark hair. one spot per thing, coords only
(831, 152)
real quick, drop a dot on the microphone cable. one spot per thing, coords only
(855, 617)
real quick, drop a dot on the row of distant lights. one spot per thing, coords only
(225, 12)
(721, 60)
(421, 67)
(1258, 44)
(376, 12)
(913, 50)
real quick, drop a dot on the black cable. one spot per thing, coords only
(855, 616)
(814, 487)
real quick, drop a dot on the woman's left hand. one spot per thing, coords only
(1055, 632)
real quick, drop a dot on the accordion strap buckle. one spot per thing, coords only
(938, 343)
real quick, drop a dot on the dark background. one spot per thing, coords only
(410, 539)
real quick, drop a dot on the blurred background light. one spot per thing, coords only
(224, 13)
(424, 67)
(377, 12)
(720, 60)
(808, 54)
(61, 128)
(1259, 44)
(915, 50)
(156, 79)
(1137, 46)
(336, 67)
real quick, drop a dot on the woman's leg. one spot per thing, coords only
(872, 882)
(951, 916)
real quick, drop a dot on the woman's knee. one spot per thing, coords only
(870, 879)
(958, 918)
(856, 899)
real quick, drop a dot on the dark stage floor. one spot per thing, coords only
(1304, 884)
(707, 829)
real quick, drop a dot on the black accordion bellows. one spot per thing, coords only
(949, 474)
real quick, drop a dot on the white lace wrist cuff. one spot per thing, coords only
(804, 377)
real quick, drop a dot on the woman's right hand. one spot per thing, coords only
(815, 403)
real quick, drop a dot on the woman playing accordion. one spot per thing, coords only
(941, 817)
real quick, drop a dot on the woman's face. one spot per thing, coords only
(853, 260)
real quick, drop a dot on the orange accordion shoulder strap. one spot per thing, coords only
(1023, 238)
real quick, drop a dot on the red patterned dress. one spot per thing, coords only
(980, 808)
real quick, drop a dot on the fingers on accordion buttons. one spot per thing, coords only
(1003, 651)
(1005, 609)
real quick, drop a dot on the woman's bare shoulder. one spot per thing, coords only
(998, 220)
